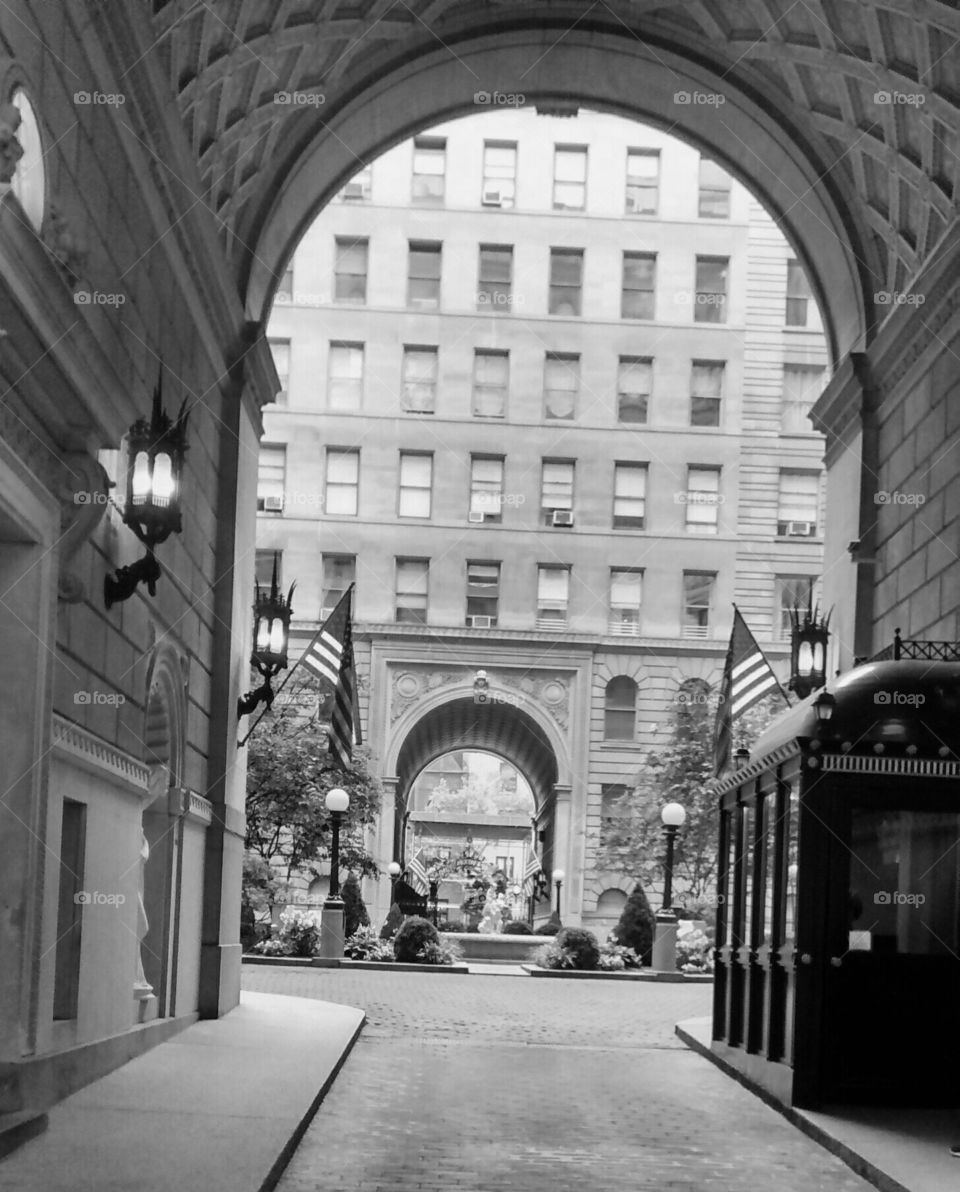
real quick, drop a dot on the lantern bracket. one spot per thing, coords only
(123, 585)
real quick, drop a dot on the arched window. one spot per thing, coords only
(29, 181)
(620, 709)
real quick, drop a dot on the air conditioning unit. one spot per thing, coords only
(562, 517)
(798, 529)
(476, 516)
(480, 622)
(355, 190)
(273, 504)
(491, 197)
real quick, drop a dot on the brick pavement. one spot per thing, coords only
(481, 1083)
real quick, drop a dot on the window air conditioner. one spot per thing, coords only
(477, 516)
(491, 197)
(799, 529)
(273, 504)
(562, 517)
(480, 622)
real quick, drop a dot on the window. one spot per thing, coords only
(263, 568)
(29, 178)
(569, 178)
(561, 385)
(710, 303)
(483, 594)
(416, 484)
(703, 500)
(358, 188)
(553, 588)
(285, 288)
(429, 167)
(411, 599)
(339, 572)
(639, 282)
(556, 492)
(486, 488)
(491, 383)
(566, 281)
(280, 350)
(799, 297)
(634, 383)
(343, 478)
(620, 709)
(423, 275)
(271, 478)
(706, 391)
(793, 591)
(714, 195)
(419, 388)
(350, 270)
(626, 594)
(495, 277)
(697, 598)
(797, 504)
(499, 173)
(802, 385)
(629, 496)
(643, 181)
(70, 882)
(345, 377)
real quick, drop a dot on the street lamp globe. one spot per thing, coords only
(337, 800)
(673, 815)
(394, 869)
(558, 875)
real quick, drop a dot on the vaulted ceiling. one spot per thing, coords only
(816, 66)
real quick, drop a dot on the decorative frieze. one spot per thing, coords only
(71, 741)
(548, 689)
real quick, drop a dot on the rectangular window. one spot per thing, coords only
(798, 295)
(483, 594)
(553, 594)
(566, 281)
(714, 195)
(697, 600)
(643, 181)
(411, 600)
(710, 301)
(802, 385)
(797, 504)
(345, 377)
(629, 496)
(626, 597)
(495, 278)
(416, 484)
(419, 382)
(280, 350)
(561, 385)
(263, 568)
(499, 173)
(793, 591)
(569, 178)
(271, 478)
(556, 492)
(350, 270)
(358, 188)
(486, 488)
(703, 500)
(429, 169)
(637, 296)
(343, 481)
(423, 275)
(634, 386)
(66, 974)
(339, 572)
(491, 383)
(706, 392)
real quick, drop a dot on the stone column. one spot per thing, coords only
(387, 848)
(563, 855)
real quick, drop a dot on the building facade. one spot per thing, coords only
(544, 395)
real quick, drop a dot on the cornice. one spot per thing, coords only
(92, 753)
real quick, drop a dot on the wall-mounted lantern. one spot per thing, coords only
(810, 632)
(155, 452)
(271, 637)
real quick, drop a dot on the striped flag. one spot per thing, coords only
(418, 874)
(329, 658)
(533, 866)
(747, 678)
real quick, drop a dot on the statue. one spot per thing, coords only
(494, 911)
(142, 989)
(10, 148)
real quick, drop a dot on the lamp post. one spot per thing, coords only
(672, 816)
(558, 876)
(809, 635)
(271, 636)
(394, 869)
(331, 919)
(515, 893)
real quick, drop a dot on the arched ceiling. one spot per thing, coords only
(498, 728)
(813, 67)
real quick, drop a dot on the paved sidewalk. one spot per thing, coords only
(213, 1109)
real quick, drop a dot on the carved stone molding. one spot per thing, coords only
(551, 691)
(10, 148)
(67, 248)
(84, 494)
(92, 753)
(410, 685)
(547, 689)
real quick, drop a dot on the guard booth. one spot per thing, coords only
(838, 927)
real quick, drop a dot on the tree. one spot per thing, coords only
(636, 926)
(478, 795)
(354, 912)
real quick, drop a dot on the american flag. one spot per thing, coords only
(747, 678)
(329, 658)
(533, 866)
(418, 874)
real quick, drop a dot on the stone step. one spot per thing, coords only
(17, 1128)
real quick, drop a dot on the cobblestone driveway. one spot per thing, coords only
(483, 1083)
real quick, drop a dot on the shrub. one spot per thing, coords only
(614, 957)
(515, 927)
(636, 927)
(581, 944)
(411, 939)
(551, 927)
(394, 922)
(441, 952)
(694, 953)
(365, 944)
(555, 957)
(297, 935)
(354, 912)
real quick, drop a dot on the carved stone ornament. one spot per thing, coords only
(10, 148)
(84, 495)
(408, 686)
(67, 248)
(550, 691)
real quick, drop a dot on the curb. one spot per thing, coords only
(323, 962)
(599, 975)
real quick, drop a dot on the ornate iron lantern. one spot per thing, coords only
(271, 637)
(155, 452)
(810, 632)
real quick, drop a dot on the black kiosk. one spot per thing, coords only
(838, 928)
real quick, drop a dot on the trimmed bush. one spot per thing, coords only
(636, 927)
(551, 927)
(515, 927)
(354, 912)
(393, 923)
(582, 946)
(412, 940)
